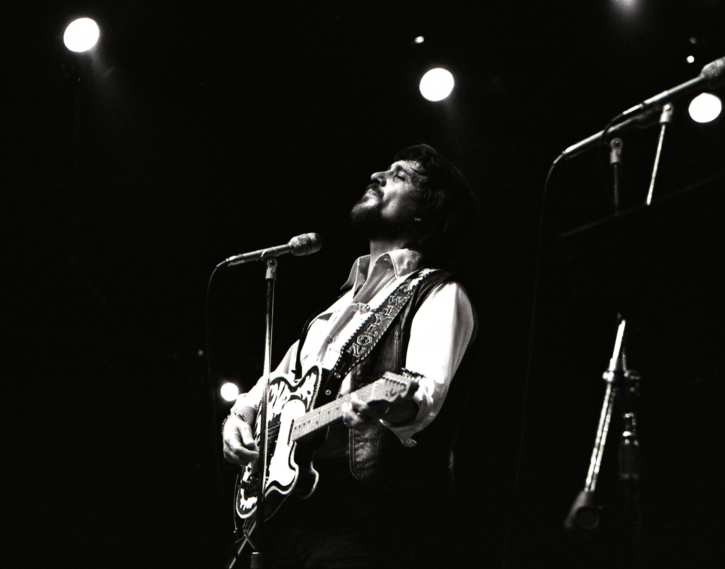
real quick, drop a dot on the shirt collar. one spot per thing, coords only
(402, 261)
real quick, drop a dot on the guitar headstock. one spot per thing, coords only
(393, 387)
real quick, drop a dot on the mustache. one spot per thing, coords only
(375, 188)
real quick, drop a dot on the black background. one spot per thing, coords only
(195, 131)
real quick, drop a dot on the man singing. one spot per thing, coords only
(385, 469)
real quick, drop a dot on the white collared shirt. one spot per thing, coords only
(439, 335)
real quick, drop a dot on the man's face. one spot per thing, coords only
(388, 207)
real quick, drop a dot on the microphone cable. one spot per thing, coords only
(212, 391)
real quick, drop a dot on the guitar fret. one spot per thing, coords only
(326, 414)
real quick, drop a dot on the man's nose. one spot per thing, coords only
(378, 178)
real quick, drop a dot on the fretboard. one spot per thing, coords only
(323, 416)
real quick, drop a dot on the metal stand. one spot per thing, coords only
(622, 388)
(615, 160)
(630, 462)
(665, 120)
(622, 385)
(584, 513)
(259, 559)
(258, 556)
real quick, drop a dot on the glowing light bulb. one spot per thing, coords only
(705, 108)
(436, 84)
(229, 391)
(81, 35)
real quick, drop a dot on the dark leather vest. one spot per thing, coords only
(376, 455)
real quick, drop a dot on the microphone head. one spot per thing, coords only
(584, 515)
(714, 72)
(305, 244)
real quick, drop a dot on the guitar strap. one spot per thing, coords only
(359, 346)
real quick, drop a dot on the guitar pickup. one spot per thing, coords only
(250, 486)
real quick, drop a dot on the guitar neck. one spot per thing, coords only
(323, 416)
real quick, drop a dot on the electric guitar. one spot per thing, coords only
(291, 416)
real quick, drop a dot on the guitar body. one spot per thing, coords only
(291, 416)
(287, 473)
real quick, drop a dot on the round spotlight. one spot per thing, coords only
(81, 35)
(437, 84)
(230, 391)
(705, 108)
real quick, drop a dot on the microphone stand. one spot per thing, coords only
(584, 516)
(258, 556)
(584, 513)
(259, 559)
(629, 461)
(622, 385)
(615, 160)
(665, 120)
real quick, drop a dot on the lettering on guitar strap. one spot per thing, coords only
(361, 343)
(382, 317)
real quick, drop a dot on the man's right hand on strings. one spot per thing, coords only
(239, 444)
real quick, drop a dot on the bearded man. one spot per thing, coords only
(385, 468)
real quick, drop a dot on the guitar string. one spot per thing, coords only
(327, 413)
(314, 419)
(332, 408)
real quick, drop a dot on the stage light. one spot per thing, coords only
(436, 84)
(690, 59)
(81, 35)
(419, 39)
(230, 391)
(705, 108)
(627, 4)
(629, 11)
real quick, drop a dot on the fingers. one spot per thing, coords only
(358, 405)
(247, 439)
(239, 444)
(356, 414)
(348, 415)
(238, 454)
(374, 410)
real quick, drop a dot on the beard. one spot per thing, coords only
(368, 221)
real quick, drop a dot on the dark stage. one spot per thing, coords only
(198, 130)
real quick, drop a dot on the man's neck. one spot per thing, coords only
(380, 247)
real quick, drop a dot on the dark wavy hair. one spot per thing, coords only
(449, 210)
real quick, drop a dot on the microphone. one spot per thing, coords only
(584, 515)
(710, 76)
(647, 113)
(301, 245)
(642, 120)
